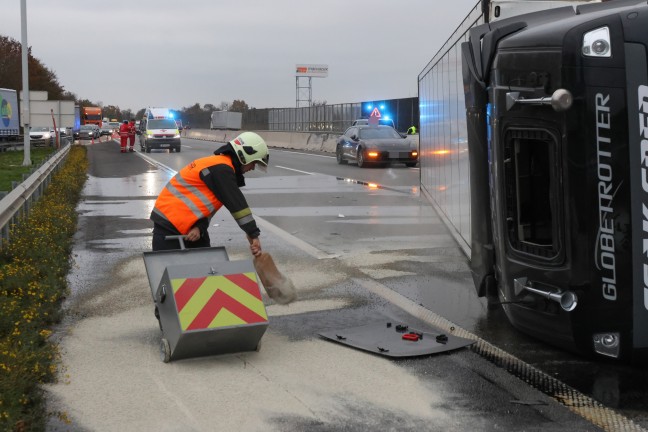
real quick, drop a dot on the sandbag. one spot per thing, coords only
(279, 287)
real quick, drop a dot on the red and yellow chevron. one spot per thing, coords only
(218, 301)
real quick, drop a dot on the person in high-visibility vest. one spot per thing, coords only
(123, 135)
(131, 135)
(411, 130)
(190, 199)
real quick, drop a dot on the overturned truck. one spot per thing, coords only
(554, 136)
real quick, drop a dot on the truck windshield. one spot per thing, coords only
(162, 124)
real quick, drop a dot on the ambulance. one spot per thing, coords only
(158, 130)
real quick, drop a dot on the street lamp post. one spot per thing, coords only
(25, 78)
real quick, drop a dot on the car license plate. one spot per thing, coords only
(164, 145)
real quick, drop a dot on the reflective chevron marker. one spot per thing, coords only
(218, 301)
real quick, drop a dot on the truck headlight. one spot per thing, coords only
(607, 344)
(596, 43)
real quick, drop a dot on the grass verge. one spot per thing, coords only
(33, 270)
(11, 168)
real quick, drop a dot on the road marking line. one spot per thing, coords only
(292, 169)
(160, 165)
(302, 153)
(291, 239)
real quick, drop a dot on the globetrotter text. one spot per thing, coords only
(606, 250)
(643, 132)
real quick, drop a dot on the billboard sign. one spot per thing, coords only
(312, 70)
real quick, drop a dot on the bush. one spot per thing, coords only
(33, 269)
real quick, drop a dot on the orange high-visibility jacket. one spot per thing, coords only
(186, 198)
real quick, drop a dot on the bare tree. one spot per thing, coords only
(239, 106)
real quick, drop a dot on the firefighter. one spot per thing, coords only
(131, 135)
(192, 197)
(123, 135)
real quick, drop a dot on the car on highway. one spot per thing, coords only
(87, 131)
(161, 133)
(114, 125)
(64, 131)
(42, 133)
(375, 145)
(106, 129)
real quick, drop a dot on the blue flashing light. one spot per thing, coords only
(382, 107)
(170, 115)
(387, 117)
(369, 107)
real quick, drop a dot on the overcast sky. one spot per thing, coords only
(175, 53)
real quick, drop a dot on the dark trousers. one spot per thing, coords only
(161, 243)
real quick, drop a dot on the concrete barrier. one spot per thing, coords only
(312, 141)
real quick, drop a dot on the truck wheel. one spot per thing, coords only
(177, 149)
(147, 148)
(165, 351)
(410, 164)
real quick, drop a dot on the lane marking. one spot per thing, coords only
(302, 153)
(293, 169)
(160, 165)
(291, 239)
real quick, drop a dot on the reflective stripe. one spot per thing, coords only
(159, 213)
(241, 213)
(198, 194)
(205, 172)
(190, 204)
(244, 220)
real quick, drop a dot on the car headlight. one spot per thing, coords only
(596, 43)
(177, 135)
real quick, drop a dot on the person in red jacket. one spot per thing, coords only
(123, 135)
(131, 135)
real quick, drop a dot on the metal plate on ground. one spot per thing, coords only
(393, 339)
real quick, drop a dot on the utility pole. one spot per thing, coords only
(25, 77)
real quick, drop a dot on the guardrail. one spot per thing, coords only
(19, 142)
(18, 202)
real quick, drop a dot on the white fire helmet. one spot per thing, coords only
(250, 147)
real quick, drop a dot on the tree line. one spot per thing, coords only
(41, 78)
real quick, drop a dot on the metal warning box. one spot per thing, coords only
(207, 304)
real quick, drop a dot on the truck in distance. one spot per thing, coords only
(9, 121)
(91, 115)
(226, 120)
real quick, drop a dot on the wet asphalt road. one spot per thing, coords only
(331, 232)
